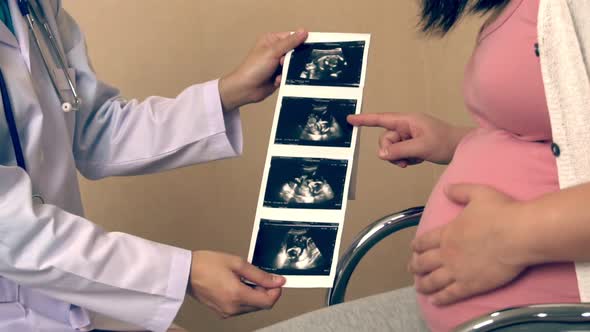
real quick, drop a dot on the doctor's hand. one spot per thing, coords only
(476, 252)
(256, 78)
(216, 281)
(411, 138)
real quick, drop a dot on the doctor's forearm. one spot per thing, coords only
(73, 260)
(554, 228)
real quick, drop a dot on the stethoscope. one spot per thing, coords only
(9, 115)
(33, 12)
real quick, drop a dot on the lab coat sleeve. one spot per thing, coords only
(73, 260)
(114, 136)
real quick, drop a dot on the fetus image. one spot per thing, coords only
(299, 251)
(321, 125)
(330, 64)
(325, 65)
(308, 188)
(315, 122)
(295, 248)
(305, 183)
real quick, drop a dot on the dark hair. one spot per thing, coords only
(440, 16)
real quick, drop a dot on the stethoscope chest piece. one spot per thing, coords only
(68, 107)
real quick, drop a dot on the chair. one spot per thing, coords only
(537, 318)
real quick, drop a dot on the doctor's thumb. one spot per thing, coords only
(260, 278)
(290, 42)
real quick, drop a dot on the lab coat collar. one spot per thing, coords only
(21, 30)
(7, 37)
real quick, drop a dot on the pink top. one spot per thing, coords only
(510, 150)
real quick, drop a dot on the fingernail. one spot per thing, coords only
(382, 153)
(300, 32)
(276, 277)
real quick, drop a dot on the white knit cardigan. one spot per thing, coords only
(564, 46)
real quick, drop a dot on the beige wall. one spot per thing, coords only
(150, 47)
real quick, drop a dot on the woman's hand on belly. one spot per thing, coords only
(411, 138)
(473, 253)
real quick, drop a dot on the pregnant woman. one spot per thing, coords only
(510, 214)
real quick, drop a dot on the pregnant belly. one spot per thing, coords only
(523, 170)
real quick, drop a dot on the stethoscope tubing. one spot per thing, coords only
(11, 122)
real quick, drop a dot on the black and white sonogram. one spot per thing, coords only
(305, 183)
(327, 64)
(317, 122)
(295, 248)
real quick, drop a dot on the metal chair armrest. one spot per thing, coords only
(363, 242)
(542, 313)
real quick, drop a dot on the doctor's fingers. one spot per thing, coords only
(245, 303)
(257, 276)
(279, 77)
(258, 297)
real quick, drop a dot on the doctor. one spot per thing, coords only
(59, 272)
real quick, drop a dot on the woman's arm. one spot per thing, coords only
(411, 138)
(554, 228)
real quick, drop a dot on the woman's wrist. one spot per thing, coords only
(537, 236)
(554, 227)
(522, 249)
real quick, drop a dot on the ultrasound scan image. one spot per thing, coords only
(295, 248)
(327, 64)
(315, 122)
(306, 183)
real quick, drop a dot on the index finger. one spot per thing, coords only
(385, 120)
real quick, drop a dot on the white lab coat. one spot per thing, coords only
(57, 268)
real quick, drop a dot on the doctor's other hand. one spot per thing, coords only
(256, 78)
(216, 281)
(411, 138)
